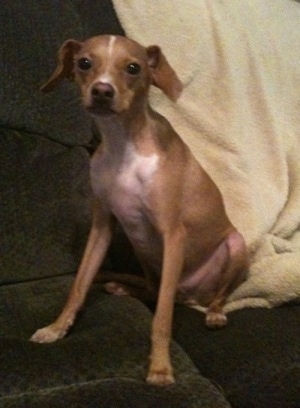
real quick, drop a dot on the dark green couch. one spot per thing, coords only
(45, 142)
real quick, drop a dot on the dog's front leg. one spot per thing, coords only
(97, 244)
(161, 371)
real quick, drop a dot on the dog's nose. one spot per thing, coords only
(103, 91)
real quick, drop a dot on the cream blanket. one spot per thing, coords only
(240, 114)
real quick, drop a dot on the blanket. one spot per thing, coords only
(240, 114)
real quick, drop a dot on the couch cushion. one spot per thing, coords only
(102, 362)
(256, 358)
(31, 33)
(44, 217)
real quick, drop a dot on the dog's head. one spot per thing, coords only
(114, 73)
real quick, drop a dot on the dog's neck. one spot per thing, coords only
(118, 130)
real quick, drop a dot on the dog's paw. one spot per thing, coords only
(161, 377)
(215, 320)
(47, 335)
(116, 289)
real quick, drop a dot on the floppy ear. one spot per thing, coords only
(64, 67)
(163, 75)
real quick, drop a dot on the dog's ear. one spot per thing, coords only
(163, 75)
(64, 67)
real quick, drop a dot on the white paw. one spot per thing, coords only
(161, 377)
(215, 320)
(47, 335)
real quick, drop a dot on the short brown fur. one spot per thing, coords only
(144, 175)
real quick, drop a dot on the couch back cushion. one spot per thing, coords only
(45, 210)
(31, 33)
(44, 167)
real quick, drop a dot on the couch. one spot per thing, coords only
(45, 145)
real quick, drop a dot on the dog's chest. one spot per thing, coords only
(129, 195)
(125, 183)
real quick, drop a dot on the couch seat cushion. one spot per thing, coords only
(104, 358)
(256, 358)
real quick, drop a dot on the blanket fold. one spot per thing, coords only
(239, 113)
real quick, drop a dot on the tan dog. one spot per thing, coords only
(145, 176)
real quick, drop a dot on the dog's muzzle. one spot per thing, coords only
(101, 99)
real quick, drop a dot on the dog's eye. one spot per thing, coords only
(84, 64)
(133, 68)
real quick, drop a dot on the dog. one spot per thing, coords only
(145, 176)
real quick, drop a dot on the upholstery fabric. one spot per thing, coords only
(44, 215)
(102, 361)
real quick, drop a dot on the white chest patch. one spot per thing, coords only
(129, 197)
(136, 171)
(124, 182)
(132, 182)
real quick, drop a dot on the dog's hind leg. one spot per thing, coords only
(232, 275)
